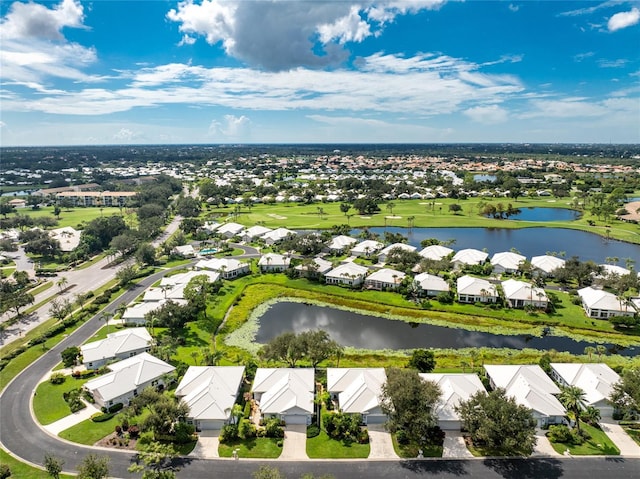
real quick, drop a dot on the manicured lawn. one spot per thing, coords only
(323, 447)
(88, 432)
(411, 450)
(22, 470)
(48, 403)
(599, 444)
(633, 433)
(256, 448)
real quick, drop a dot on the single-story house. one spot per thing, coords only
(611, 270)
(366, 248)
(507, 262)
(341, 243)
(277, 235)
(317, 266)
(519, 294)
(185, 250)
(127, 379)
(546, 265)
(229, 230)
(382, 257)
(285, 393)
(229, 268)
(601, 304)
(455, 389)
(595, 379)
(468, 257)
(136, 313)
(357, 391)
(384, 279)
(349, 274)
(119, 345)
(172, 287)
(435, 252)
(210, 392)
(475, 290)
(530, 387)
(430, 284)
(254, 232)
(68, 237)
(273, 262)
(210, 226)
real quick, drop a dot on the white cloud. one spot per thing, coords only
(125, 135)
(231, 127)
(590, 10)
(583, 56)
(490, 114)
(581, 108)
(623, 20)
(2, 124)
(620, 62)
(32, 20)
(281, 35)
(514, 8)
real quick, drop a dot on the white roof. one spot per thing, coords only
(210, 391)
(184, 278)
(612, 269)
(139, 310)
(507, 260)
(599, 299)
(475, 286)
(68, 237)
(346, 270)
(116, 343)
(595, 379)
(514, 289)
(387, 275)
(431, 282)
(341, 242)
(257, 230)
(435, 252)
(322, 265)
(455, 388)
(278, 234)
(285, 389)
(220, 264)
(402, 246)
(530, 387)
(273, 259)
(127, 375)
(547, 263)
(359, 388)
(185, 249)
(470, 256)
(368, 246)
(231, 228)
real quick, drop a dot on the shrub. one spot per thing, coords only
(313, 431)
(273, 429)
(5, 471)
(116, 407)
(228, 433)
(57, 378)
(102, 417)
(363, 436)
(184, 432)
(560, 433)
(134, 432)
(118, 429)
(402, 437)
(246, 429)
(279, 443)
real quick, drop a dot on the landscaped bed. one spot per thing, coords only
(598, 444)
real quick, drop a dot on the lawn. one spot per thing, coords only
(323, 447)
(22, 470)
(255, 448)
(599, 444)
(633, 434)
(88, 432)
(410, 450)
(48, 403)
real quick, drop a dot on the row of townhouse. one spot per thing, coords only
(95, 198)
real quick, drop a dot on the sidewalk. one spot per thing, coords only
(72, 419)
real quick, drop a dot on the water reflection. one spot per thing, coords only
(371, 332)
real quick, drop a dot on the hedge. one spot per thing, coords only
(102, 417)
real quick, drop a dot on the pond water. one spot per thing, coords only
(371, 332)
(546, 214)
(480, 178)
(529, 241)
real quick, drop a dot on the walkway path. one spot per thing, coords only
(380, 443)
(454, 446)
(294, 446)
(620, 438)
(60, 425)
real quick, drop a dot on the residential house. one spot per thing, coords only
(273, 262)
(366, 248)
(468, 257)
(285, 393)
(317, 267)
(340, 244)
(546, 265)
(430, 284)
(382, 257)
(435, 252)
(172, 287)
(229, 268)
(455, 389)
(519, 294)
(530, 387)
(475, 290)
(595, 379)
(349, 274)
(68, 237)
(384, 279)
(507, 262)
(210, 392)
(122, 344)
(277, 235)
(127, 379)
(136, 314)
(229, 230)
(186, 251)
(357, 391)
(601, 304)
(254, 232)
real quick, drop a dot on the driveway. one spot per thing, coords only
(207, 447)
(543, 447)
(381, 446)
(454, 446)
(627, 446)
(294, 446)
(66, 422)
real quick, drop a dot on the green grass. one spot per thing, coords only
(323, 447)
(74, 217)
(48, 403)
(598, 444)
(88, 432)
(633, 434)
(255, 448)
(410, 450)
(21, 470)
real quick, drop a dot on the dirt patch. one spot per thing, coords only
(117, 442)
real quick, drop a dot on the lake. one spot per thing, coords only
(529, 241)
(481, 178)
(371, 332)
(546, 214)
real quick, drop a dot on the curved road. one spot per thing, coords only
(25, 439)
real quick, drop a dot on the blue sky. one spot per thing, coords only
(300, 71)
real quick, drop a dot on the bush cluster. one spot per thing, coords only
(73, 399)
(102, 417)
(57, 378)
(561, 433)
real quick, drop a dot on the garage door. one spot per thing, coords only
(449, 425)
(295, 419)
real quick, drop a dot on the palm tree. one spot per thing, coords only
(573, 398)
(62, 283)
(106, 316)
(591, 415)
(601, 350)
(589, 350)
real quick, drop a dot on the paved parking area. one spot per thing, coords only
(381, 446)
(294, 446)
(454, 446)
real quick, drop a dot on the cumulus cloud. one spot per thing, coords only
(277, 35)
(33, 47)
(231, 127)
(490, 114)
(125, 135)
(623, 20)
